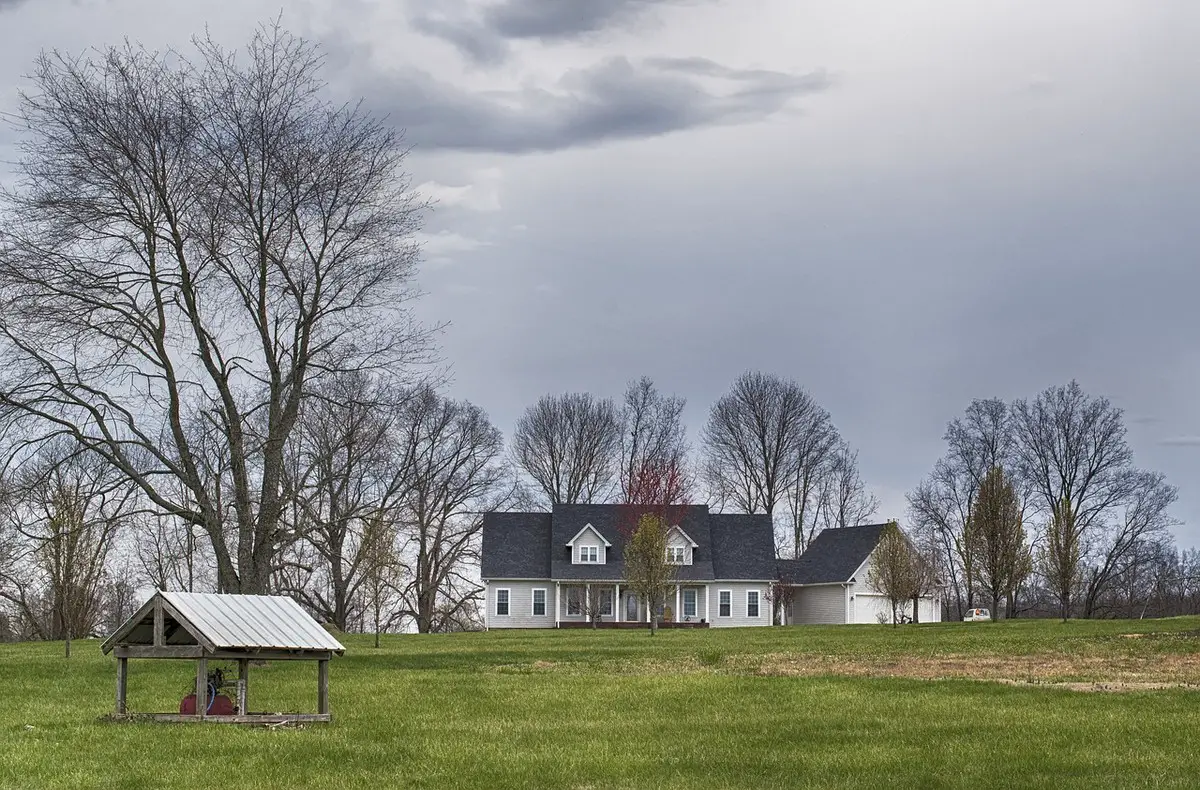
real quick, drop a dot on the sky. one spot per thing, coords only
(900, 206)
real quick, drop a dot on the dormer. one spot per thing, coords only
(681, 549)
(588, 547)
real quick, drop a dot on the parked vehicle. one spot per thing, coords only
(977, 615)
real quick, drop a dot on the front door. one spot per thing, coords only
(631, 607)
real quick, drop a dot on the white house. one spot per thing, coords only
(540, 569)
(829, 581)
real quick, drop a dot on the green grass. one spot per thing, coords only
(778, 707)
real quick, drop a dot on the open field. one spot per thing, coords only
(1085, 704)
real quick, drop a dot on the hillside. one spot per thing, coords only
(1084, 704)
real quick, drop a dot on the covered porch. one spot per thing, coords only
(613, 605)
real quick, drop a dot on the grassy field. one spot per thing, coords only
(1021, 704)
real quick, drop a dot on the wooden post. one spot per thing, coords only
(243, 683)
(201, 686)
(122, 680)
(323, 686)
(617, 603)
(159, 639)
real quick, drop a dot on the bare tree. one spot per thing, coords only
(942, 505)
(382, 573)
(342, 473)
(453, 471)
(197, 244)
(827, 496)
(66, 507)
(655, 501)
(1120, 545)
(652, 432)
(170, 554)
(1070, 448)
(759, 438)
(998, 531)
(570, 445)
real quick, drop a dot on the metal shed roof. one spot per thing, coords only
(232, 622)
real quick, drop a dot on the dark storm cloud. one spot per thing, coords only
(10, 4)
(483, 36)
(614, 100)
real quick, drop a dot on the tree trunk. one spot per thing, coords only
(1010, 611)
(916, 618)
(995, 607)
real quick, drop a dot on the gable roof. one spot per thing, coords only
(515, 546)
(226, 622)
(686, 536)
(587, 527)
(833, 556)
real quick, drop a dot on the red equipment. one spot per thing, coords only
(219, 706)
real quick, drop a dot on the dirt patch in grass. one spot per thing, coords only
(1080, 673)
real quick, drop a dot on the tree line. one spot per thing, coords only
(212, 379)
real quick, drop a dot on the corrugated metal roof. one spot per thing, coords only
(239, 622)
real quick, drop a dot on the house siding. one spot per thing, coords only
(520, 604)
(823, 604)
(739, 617)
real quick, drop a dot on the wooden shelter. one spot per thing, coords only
(207, 627)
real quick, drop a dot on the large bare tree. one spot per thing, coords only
(824, 495)
(191, 245)
(451, 458)
(570, 445)
(652, 433)
(759, 439)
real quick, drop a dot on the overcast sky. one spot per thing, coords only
(903, 206)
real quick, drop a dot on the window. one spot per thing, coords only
(502, 603)
(725, 603)
(606, 603)
(574, 601)
(539, 603)
(589, 553)
(676, 555)
(689, 603)
(752, 603)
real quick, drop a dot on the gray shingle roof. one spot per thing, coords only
(743, 546)
(833, 556)
(516, 546)
(534, 545)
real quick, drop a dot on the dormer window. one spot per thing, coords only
(676, 555)
(588, 547)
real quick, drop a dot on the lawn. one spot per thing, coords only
(1021, 704)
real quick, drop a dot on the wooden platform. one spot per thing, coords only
(249, 718)
(627, 624)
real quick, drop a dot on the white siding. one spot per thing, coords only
(520, 604)
(820, 604)
(739, 617)
(676, 539)
(867, 606)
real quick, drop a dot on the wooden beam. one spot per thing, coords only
(122, 680)
(187, 625)
(196, 651)
(243, 684)
(323, 687)
(201, 686)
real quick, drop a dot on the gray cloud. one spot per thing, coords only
(615, 99)
(483, 36)
(10, 4)
(1181, 441)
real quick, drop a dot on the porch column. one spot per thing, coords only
(678, 619)
(243, 686)
(617, 602)
(707, 605)
(557, 603)
(587, 603)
